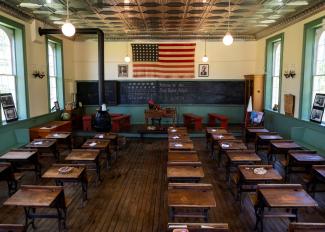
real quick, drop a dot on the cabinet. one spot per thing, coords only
(254, 86)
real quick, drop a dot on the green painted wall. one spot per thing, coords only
(234, 112)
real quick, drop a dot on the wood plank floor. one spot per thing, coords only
(133, 197)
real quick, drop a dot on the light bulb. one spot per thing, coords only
(49, 1)
(228, 39)
(205, 59)
(127, 59)
(68, 29)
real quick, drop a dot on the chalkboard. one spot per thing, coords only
(87, 92)
(182, 92)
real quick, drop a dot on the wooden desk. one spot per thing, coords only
(183, 156)
(265, 138)
(112, 137)
(215, 137)
(88, 157)
(45, 146)
(281, 147)
(7, 174)
(250, 132)
(16, 157)
(32, 197)
(227, 145)
(163, 113)
(178, 137)
(306, 227)
(50, 127)
(99, 144)
(198, 227)
(185, 171)
(78, 174)
(187, 196)
(236, 157)
(284, 196)
(318, 177)
(212, 130)
(61, 137)
(177, 130)
(182, 145)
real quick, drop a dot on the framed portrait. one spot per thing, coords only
(7, 100)
(316, 115)
(203, 70)
(10, 114)
(123, 70)
(319, 100)
(56, 106)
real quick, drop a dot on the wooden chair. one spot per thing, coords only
(12, 228)
(306, 227)
(198, 227)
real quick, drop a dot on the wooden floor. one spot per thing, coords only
(132, 196)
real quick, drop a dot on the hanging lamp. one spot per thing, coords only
(67, 28)
(127, 59)
(228, 39)
(205, 58)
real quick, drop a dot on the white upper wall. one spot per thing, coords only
(292, 57)
(224, 62)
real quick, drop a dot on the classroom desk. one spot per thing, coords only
(110, 136)
(32, 197)
(86, 156)
(318, 177)
(227, 145)
(198, 227)
(183, 156)
(281, 147)
(250, 132)
(215, 137)
(265, 139)
(7, 174)
(20, 156)
(99, 144)
(50, 127)
(78, 175)
(213, 130)
(61, 137)
(181, 145)
(189, 196)
(45, 146)
(184, 171)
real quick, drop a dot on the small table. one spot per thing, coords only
(234, 158)
(32, 197)
(44, 146)
(100, 144)
(215, 137)
(281, 147)
(184, 171)
(226, 145)
(181, 145)
(183, 156)
(78, 174)
(247, 176)
(189, 196)
(6, 174)
(250, 132)
(265, 138)
(86, 156)
(23, 156)
(61, 137)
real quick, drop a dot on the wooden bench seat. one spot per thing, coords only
(190, 118)
(212, 118)
(120, 122)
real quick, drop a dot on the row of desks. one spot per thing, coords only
(79, 160)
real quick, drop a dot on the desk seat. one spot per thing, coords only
(212, 118)
(190, 118)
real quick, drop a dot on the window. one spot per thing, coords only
(7, 64)
(276, 73)
(274, 49)
(55, 71)
(319, 65)
(13, 65)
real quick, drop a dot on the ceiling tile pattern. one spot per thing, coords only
(166, 19)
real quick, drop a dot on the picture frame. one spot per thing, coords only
(7, 100)
(10, 114)
(319, 100)
(203, 70)
(316, 114)
(57, 106)
(123, 70)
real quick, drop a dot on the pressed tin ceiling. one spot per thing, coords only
(164, 19)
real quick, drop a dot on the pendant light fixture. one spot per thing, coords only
(228, 39)
(205, 58)
(67, 28)
(127, 59)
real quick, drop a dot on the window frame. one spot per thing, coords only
(308, 67)
(269, 58)
(20, 67)
(60, 93)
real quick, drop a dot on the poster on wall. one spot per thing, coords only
(317, 111)
(203, 70)
(8, 107)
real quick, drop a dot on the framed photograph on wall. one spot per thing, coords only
(123, 70)
(319, 100)
(316, 115)
(203, 70)
(10, 114)
(7, 100)
(56, 106)
(8, 107)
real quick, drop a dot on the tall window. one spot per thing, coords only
(276, 72)
(7, 63)
(319, 64)
(52, 72)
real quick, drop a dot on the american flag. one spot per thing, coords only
(168, 60)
